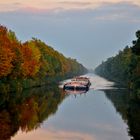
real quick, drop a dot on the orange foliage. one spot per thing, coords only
(6, 53)
(28, 117)
(30, 65)
(6, 57)
(32, 59)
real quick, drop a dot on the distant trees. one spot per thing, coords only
(124, 67)
(31, 60)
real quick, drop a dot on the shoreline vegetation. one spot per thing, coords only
(32, 63)
(124, 68)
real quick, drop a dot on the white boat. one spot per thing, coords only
(83, 80)
(78, 83)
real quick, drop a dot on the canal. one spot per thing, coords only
(102, 113)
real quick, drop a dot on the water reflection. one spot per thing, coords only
(91, 117)
(26, 111)
(128, 105)
(75, 93)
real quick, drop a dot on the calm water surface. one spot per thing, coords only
(99, 114)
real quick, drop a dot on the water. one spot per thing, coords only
(100, 114)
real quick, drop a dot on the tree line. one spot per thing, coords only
(31, 63)
(124, 68)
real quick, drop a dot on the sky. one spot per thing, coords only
(87, 30)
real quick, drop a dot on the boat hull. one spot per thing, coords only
(78, 83)
(75, 87)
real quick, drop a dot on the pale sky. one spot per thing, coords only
(11, 5)
(88, 30)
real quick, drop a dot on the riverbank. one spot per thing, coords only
(32, 63)
(124, 68)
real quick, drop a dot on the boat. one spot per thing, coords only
(68, 91)
(83, 80)
(78, 83)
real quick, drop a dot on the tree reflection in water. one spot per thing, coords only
(27, 110)
(128, 105)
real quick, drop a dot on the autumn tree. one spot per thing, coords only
(31, 59)
(6, 53)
